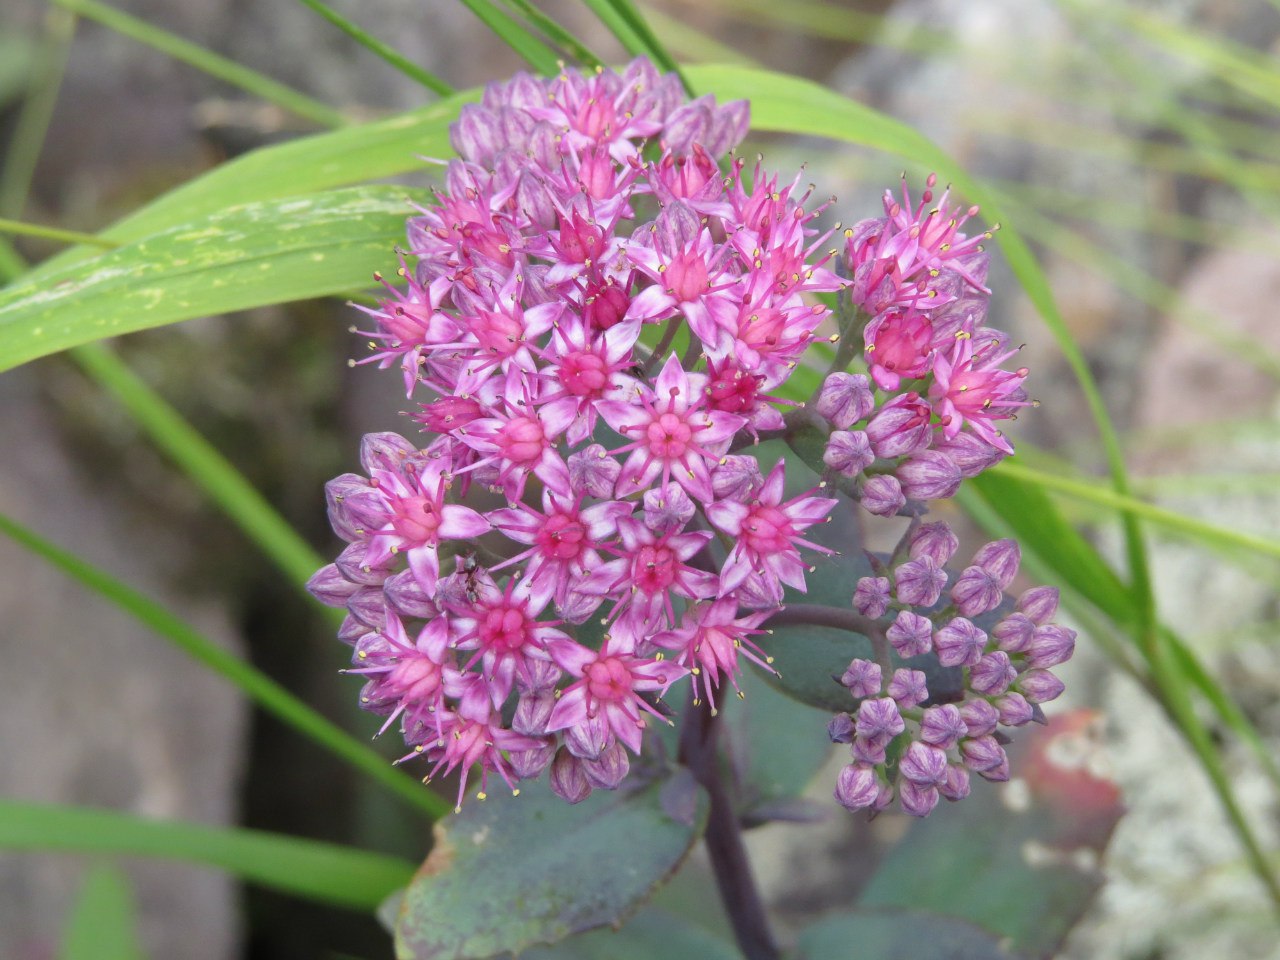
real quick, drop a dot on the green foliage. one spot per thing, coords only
(102, 925)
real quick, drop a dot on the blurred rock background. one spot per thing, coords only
(1050, 101)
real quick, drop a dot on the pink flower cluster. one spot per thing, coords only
(583, 212)
(594, 318)
(987, 679)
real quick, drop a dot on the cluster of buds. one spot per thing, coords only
(925, 741)
(598, 311)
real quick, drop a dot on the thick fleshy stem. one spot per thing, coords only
(729, 861)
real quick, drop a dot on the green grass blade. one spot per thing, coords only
(692, 44)
(1170, 520)
(328, 873)
(627, 24)
(515, 35)
(379, 49)
(556, 33)
(28, 136)
(258, 687)
(57, 234)
(246, 256)
(103, 922)
(207, 61)
(224, 485)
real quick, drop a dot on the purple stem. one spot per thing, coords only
(732, 868)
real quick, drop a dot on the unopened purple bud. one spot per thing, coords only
(1052, 644)
(917, 800)
(667, 509)
(352, 630)
(1014, 710)
(384, 451)
(532, 712)
(862, 678)
(975, 592)
(980, 717)
(857, 787)
(405, 594)
(982, 753)
(900, 427)
(992, 674)
(840, 729)
(997, 774)
(957, 785)
(351, 562)
(759, 592)
(1039, 604)
(541, 677)
(971, 454)
(924, 765)
(1014, 633)
(568, 780)
(330, 587)
(960, 643)
(610, 769)
(737, 478)
(1040, 686)
(588, 738)
(937, 541)
(879, 719)
(369, 606)
(929, 475)
(882, 495)
(845, 399)
(871, 596)
(942, 726)
(871, 752)
(920, 582)
(593, 472)
(848, 453)
(1000, 558)
(908, 688)
(911, 634)
(578, 606)
(354, 507)
(528, 764)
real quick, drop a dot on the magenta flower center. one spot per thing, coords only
(668, 436)
(562, 537)
(686, 276)
(609, 679)
(654, 568)
(902, 344)
(407, 323)
(606, 306)
(522, 440)
(580, 241)
(767, 530)
(583, 374)
(504, 629)
(416, 520)
(594, 117)
(416, 678)
(733, 392)
(499, 332)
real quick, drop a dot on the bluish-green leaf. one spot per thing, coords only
(892, 934)
(512, 872)
(651, 934)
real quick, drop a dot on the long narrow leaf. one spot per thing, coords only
(646, 41)
(56, 234)
(341, 876)
(556, 33)
(515, 35)
(103, 922)
(258, 687)
(207, 61)
(379, 49)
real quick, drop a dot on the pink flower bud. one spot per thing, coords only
(879, 720)
(330, 587)
(532, 711)
(982, 753)
(1039, 604)
(929, 475)
(980, 717)
(845, 399)
(528, 764)
(668, 509)
(405, 594)
(900, 427)
(992, 674)
(1040, 686)
(1014, 710)
(917, 800)
(1052, 644)
(975, 592)
(1014, 633)
(856, 787)
(871, 596)
(924, 765)
(942, 726)
(593, 473)
(957, 785)
(1000, 558)
(971, 454)
(919, 582)
(840, 729)
(959, 643)
(610, 769)
(937, 541)
(862, 677)
(882, 496)
(908, 688)
(736, 478)
(911, 634)
(588, 739)
(848, 453)
(568, 780)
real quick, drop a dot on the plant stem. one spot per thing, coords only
(738, 890)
